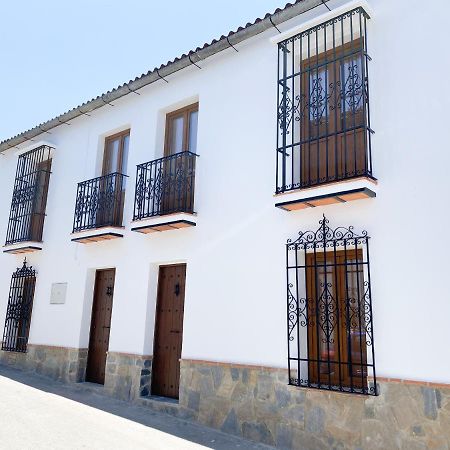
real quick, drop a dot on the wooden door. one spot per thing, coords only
(181, 136)
(100, 325)
(168, 331)
(336, 336)
(40, 200)
(332, 125)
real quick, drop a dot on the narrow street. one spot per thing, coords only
(38, 413)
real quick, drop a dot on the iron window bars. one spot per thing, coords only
(165, 186)
(27, 213)
(99, 202)
(324, 132)
(329, 311)
(18, 312)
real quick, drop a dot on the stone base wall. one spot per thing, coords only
(258, 404)
(60, 363)
(127, 376)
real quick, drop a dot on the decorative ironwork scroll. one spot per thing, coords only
(18, 312)
(329, 310)
(165, 186)
(27, 213)
(99, 202)
(323, 118)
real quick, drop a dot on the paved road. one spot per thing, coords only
(38, 413)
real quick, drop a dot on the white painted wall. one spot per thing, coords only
(235, 307)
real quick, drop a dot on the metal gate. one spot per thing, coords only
(18, 313)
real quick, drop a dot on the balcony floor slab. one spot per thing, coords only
(97, 235)
(339, 192)
(23, 247)
(164, 223)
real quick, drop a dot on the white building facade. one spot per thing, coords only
(166, 223)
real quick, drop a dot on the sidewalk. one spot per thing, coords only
(39, 413)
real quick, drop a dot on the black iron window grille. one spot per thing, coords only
(18, 312)
(329, 311)
(99, 202)
(165, 186)
(29, 199)
(324, 132)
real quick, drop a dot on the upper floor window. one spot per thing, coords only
(100, 201)
(26, 218)
(323, 108)
(115, 156)
(181, 130)
(330, 327)
(166, 185)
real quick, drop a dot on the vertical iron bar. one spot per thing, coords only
(359, 313)
(326, 102)
(372, 338)
(292, 121)
(316, 300)
(277, 153)
(343, 112)
(348, 322)
(284, 114)
(288, 337)
(308, 74)
(338, 318)
(353, 109)
(318, 100)
(297, 299)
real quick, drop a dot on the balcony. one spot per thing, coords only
(324, 135)
(99, 209)
(29, 199)
(164, 196)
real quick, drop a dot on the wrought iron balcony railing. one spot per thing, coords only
(324, 132)
(99, 202)
(27, 213)
(165, 186)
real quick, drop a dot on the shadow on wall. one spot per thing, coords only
(91, 395)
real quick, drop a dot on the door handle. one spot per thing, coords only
(174, 331)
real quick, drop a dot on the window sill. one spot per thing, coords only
(23, 247)
(336, 192)
(97, 235)
(164, 223)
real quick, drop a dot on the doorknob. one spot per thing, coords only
(177, 289)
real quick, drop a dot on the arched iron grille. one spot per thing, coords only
(323, 104)
(18, 313)
(329, 311)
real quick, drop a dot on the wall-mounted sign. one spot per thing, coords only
(58, 293)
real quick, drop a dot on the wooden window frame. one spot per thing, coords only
(341, 363)
(335, 146)
(170, 117)
(106, 157)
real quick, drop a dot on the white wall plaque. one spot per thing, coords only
(58, 293)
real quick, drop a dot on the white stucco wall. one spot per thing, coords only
(235, 306)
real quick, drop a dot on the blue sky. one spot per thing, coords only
(56, 54)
